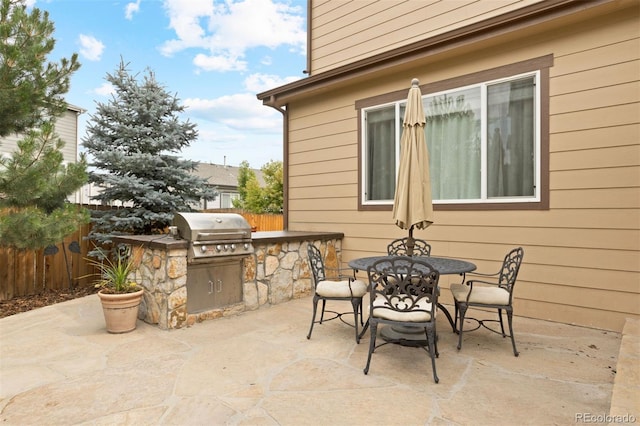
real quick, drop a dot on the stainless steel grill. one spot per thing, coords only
(218, 243)
(214, 235)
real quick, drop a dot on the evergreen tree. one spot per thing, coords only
(31, 88)
(34, 183)
(133, 141)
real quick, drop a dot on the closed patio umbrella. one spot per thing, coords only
(412, 206)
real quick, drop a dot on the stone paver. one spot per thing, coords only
(58, 366)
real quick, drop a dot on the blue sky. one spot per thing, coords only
(214, 55)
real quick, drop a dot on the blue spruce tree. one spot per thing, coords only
(133, 142)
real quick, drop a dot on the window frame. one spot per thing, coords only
(540, 66)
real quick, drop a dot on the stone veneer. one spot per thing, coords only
(276, 272)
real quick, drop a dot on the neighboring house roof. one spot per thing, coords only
(222, 176)
(76, 108)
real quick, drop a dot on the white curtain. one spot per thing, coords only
(453, 139)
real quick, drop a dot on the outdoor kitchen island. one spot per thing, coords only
(276, 271)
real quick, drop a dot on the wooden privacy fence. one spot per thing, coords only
(258, 222)
(24, 273)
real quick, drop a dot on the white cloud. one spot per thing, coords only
(227, 30)
(90, 47)
(267, 60)
(105, 90)
(130, 9)
(239, 112)
(257, 83)
(219, 63)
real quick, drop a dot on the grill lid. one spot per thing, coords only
(213, 235)
(211, 226)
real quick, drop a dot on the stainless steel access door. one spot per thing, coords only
(214, 285)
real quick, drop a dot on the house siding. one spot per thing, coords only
(582, 255)
(66, 128)
(345, 31)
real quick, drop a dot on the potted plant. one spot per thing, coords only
(119, 295)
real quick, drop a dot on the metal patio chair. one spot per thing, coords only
(421, 248)
(343, 287)
(399, 247)
(491, 291)
(403, 292)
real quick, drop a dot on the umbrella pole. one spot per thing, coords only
(410, 242)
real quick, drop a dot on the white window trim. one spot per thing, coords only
(536, 198)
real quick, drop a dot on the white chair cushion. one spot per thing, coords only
(356, 288)
(481, 294)
(381, 311)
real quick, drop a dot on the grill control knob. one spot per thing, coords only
(233, 247)
(246, 246)
(226, 247)
(219, 247)
(203, 248)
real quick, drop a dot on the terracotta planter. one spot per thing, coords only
(120, 310)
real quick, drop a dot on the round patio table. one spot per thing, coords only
(413, 336)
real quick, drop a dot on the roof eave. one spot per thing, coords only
(526, 16)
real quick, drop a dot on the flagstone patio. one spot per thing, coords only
(59, 366)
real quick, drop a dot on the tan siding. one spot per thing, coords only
(596, 178)
(324, 191)
(333, 157)
(619, 156)
(621, 73)
(582, 256)
(571, 314)
(619, 94)
(347, 31)
(613, 198)
(322, 178)
(618, 115)
(626, 134)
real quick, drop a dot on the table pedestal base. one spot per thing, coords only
(405, 336)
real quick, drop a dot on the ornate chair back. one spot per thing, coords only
(399, 248)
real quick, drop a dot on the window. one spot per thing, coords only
(484, 140)
(226, 199)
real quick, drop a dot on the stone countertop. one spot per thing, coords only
(168, 242)
(285, 236)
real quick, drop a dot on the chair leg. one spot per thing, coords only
(364, 329)
(356, 304)
(513, 339)
(313, 318)
(435, 342)
(324, 304)
(501, 323)
(372, 344)
(463, 310)
(432, 351)
(455, 316)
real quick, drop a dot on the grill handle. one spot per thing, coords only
(218, 234)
